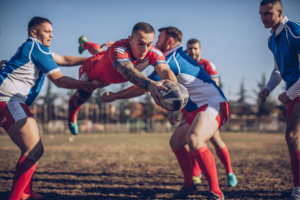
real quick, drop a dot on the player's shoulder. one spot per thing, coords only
(293, 27)
(38, 47)
(154, 50)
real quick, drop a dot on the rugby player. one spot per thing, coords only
(20, 82)
(122, 62)
(194, 51)
(284, 43)
(206, 110)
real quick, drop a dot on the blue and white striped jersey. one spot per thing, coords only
(23, 76)
(201, 88)
(285, 46)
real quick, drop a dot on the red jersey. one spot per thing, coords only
(209, 67)
(102, 65)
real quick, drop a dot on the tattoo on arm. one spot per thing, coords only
(133, 75)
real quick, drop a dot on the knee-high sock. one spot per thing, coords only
(224, 157)
(28, 188)
(295, 163)
(207, 164)
(185, 163)
(23, 173)
(91, 47)
(73, 109)
(196, 171)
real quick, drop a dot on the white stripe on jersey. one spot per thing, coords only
(292, 32)
(158, 52)
(31, 51)
(38, 45)
(176, 62)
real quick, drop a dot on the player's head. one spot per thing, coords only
(141, 39)
(271, 13)
(169, 37)
(41, 29)
(194, 49)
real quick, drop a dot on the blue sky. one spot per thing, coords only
(231, 33)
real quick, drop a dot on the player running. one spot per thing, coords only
(206, 110)
(284, 43)
(121, 62)
(194, 51)
(20, 82)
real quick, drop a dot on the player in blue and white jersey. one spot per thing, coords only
(205, 112)
(284, 43)
(20, 82)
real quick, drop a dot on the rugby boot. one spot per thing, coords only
(73, 127)
(185, 191)
(231, 180)
(82, 40)
(294, 198)
(33, 195)
(213, 196)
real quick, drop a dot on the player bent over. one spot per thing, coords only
(122, 62)
(206, 110)
(20, 82)
(284, 43)
(194, 51)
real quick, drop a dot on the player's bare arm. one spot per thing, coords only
(283, 98)
(137, 78)
(66, 82)
(164, 71)
(68, 60)
(107, 44)
(216, 80)
(131, 92)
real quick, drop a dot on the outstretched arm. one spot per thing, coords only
(68, 60)
(137, 78)
(164, 72)
(131, 92)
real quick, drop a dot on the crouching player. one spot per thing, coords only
(206, 110)
(121, 62)
(20, 82)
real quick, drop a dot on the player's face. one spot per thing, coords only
(44, 33)
(270, 15)
(140, 44)
(163, 42)
(194, 51)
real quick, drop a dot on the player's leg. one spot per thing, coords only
(24, 133)
(293, 142)
(202, 129)
(223, 154)
(80, 97)
(177, 143)
(84, 44)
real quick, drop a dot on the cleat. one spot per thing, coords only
(73, 127)
(82, 40)
(197, 179)
(185, 191)
(294, 198)
(231, 180)
(33, 195)
(213, 196)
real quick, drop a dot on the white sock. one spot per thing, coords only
(296, 192)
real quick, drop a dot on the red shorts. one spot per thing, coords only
(220, 111)
(11, 112)
(290, 105)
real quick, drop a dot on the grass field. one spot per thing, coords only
(142, 166)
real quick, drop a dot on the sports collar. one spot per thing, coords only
(172, 50)
(281, 26)
(34, 39)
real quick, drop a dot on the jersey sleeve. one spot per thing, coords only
(275, 78)
(156, 57)
(119, 53)
(211, 70)
(154, 76)
(42, 58)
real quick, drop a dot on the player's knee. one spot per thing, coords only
(37, 152)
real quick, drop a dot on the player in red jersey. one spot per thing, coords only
(194, 51)
(122, 62)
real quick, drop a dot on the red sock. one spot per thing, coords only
(207, 164)
(91, 47)
(184, 160)
(196, 171)
(23, 173)
(28, 189)
(73, 109)
(295, 163)
(224, 156)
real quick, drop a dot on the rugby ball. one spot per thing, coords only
(175, 98)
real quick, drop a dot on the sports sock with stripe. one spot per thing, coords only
(224, 157)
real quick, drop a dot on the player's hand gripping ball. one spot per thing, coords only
(175, 98)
